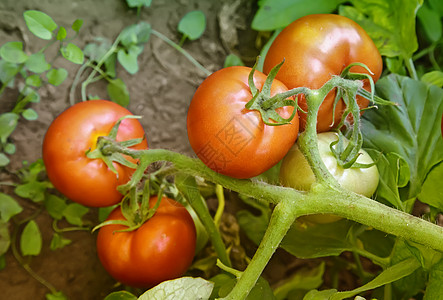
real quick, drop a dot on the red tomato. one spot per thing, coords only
(161, 249)
(315, 47)
(229, 138)
(88, 181)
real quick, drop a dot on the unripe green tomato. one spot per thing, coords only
(295, 172)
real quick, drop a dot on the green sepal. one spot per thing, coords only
(265, 104)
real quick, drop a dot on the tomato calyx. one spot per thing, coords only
(267, 105)
(102, 152)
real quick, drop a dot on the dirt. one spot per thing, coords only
(160, 92)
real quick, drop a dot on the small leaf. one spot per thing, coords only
(8, 122)
(13, 52)
(30, 114)
(121, 295)
(433, 288)
(56, 296)
(129, 59)
(118, 92)
(138, 3)
(55, 206)
(233, 60)
(31, 239)
(37, 63)
(59, 242)
(431, 22)
(181, 288)
(73, 53)
(193, 24)
(57, 76)
(5, 242)
(77, 25)
(433, 77)
(40, 24)
(8, 71)
(8, 207)
(4, 160)
(9, 148)
(432, 189)
(34, 80)
(33, 190)
(74, 213)
(61, 34)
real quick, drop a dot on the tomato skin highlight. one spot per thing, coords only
(229, 138)
(161, 249)
(315, 47)
(83, 180)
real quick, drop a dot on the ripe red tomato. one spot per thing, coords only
(88, 181)
(161, 249)
(229, 138)
(315, 47)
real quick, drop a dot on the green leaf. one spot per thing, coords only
(8, 207)
(8, 71)
(13, 52)
(34, 190)
(233, 60)
(59, 242)
(433, 77)
(31, 239)
(8, 122)
(254, 225)
(180, 289)
(415, 282)
(40, 24)
(34, 80)
(431, 22)
(61, 34)
(9, 148)
(57, 76)
(5, 242)
(432, 190)
(77, 25)
(411, 129)
(390, 24)
(97, 50)
(274, 14)
(121, 295)
(319, 240)
(135, 34)
(304, 279)
(73, 53)
(193, 24)
(129, 59)
(55, 206)
(434, 287)
(118, 92)
(56, 296)
(37, 63)
(319, 295)
(74, 213)
(391, 274)
(4, 160)
(394, 174)
(138, 3)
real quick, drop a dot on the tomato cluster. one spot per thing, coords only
(163, 247)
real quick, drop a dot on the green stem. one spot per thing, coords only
(182, 51)
(282, 218)
(219, 192)
(411, 68)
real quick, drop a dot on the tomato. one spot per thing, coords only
(161, 249)
(295, 172)
(88, 181)
(314, 48)
(229, 138)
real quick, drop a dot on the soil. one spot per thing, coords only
(160, 92)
